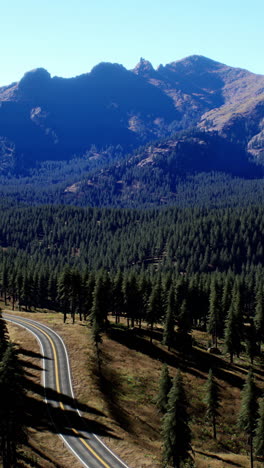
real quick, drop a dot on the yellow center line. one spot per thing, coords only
(59, 391)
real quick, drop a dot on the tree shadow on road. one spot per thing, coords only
(47, 410)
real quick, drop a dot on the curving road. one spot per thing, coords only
(86, 446)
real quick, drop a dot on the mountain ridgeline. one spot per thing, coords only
(121, 131)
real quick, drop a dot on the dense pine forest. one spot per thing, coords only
(174, 240)
(55, 257)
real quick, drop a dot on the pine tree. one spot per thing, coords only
(213, 325)
(144, 292)
(176, 432)
(19, 288)
(5, 282)
(251, 342)
(64, 287)
(3, 336)
(168, 331)
(13, 287)
(89, 288)
(184, 319)
(259, 439)
(118, 296)
(11, 407)
(131, 295)
(27, 291)
(226, 294)
(98, 316)
(259, 316)
(156, 307)
(238, 313)
(212, 401)
(234, 325)
(248, 411)
(164, 389)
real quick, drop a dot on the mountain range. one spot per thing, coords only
(192, 115)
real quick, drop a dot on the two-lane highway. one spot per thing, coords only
(86, 446)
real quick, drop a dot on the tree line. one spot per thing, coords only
(228, 306)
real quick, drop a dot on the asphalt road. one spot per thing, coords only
(86, 446)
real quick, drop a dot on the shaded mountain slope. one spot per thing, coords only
(55, 118)
(154, 174)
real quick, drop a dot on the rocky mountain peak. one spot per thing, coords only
(143, 68)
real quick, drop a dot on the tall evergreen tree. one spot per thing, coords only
(3, 336)
(226, 294)
(12, 287)
(234, 325)
(118, 296)
(12, 431)
(259, 439)
(176, 432)
(27, 291)
(64, 289)
(259, 315)
(212, 401)
(144, 293)
(251, 341)
(184, 319)
(156, 307)
(164, 389)
(89, 288)
(214, 321)
(248, 411)
(131, 298)
(98, 315)
(238, 313)
(168, 331)
(4, 281)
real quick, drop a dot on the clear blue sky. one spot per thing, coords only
(69, 37)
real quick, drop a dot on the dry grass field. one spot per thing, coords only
(120, 406)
